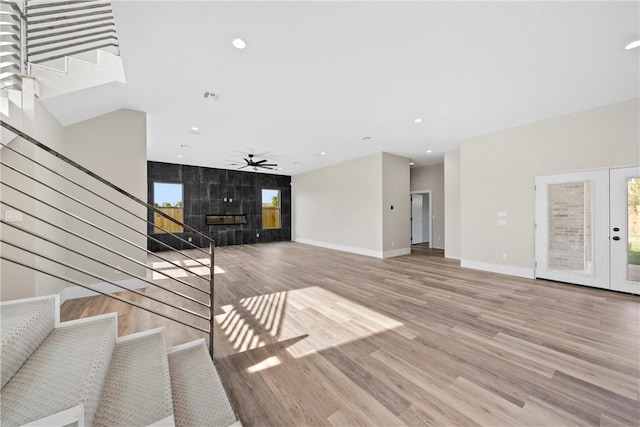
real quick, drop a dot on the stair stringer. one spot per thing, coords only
(78, 74)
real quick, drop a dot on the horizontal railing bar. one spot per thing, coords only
(57, 4)
(97, 227)
(71, 31)
(7, 147)
(75, 52)
(124, 300)
(81, 237)
(99, 178)
(3, 54)
(10, 15)
(46, 239)
(6, 86)
(15, 7)
(70, 45)
(95, 276)
(69, 24)
(66, 39)
(67, 10)
(86, 205)
(52, 19)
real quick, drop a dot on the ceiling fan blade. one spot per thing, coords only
(242, 167)
(248, 161)
(261, 161)
(265, 167)
(269, 164)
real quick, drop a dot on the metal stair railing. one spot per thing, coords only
(17, 180)
(56, 29)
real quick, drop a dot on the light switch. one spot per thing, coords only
(502, 214)
(502, 222)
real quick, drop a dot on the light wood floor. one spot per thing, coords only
(311, 336)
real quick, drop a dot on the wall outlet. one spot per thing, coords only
(13, 216)
(190, 239)
(257, 234)
(393, 243)
(504, 255)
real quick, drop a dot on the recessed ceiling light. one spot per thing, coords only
(633, 45)
(367, 138)
(411, 163)
(238, 43)
(429, 151)
(418, 120)
(180, 155)
(195, 129)
(322, 153)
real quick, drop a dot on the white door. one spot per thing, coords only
(572, 228)
(416, 219)
(625, 229)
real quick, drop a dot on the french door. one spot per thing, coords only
(587, 228)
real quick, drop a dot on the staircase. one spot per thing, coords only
(81, 373)
(71, 45)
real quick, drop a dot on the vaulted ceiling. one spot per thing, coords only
(321, 77)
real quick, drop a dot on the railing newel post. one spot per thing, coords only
(212, 246)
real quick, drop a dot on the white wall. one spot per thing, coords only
(452, 204)
(497, 171)
(114, 147)
(396, 205)
(340, 206)
(348, 206)
(17, 281)
(431, 178)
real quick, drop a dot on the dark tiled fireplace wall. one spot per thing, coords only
(204, 190)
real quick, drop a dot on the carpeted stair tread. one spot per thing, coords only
(138, 389)
(199, 398)
(24, 325)
(68, 369)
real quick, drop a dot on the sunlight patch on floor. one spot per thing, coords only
(325, 319)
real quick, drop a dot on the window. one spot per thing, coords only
(167, 198)
(270, 208)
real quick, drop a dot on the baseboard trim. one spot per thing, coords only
(343, 248)
(396, 252)
(73, 292)
(527, 273)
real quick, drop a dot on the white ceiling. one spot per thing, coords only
(319, 76)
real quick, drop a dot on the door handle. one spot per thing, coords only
(616, 238)
(616, 229)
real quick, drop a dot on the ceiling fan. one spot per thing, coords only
(256, 164)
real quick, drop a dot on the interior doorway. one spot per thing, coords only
(421, 218)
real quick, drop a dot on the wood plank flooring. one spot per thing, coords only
(311, 336)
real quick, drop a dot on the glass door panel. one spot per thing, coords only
(571, 234)
(625, 229)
